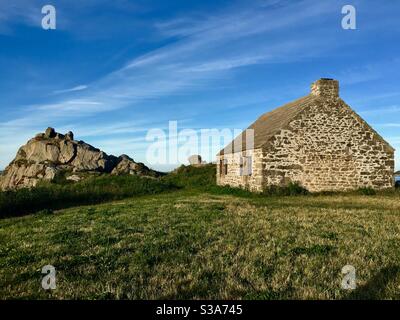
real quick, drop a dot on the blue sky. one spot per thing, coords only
(112, 70)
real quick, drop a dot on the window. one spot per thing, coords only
(246, 166)
(223, 167)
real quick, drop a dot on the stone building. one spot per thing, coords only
(317, 141)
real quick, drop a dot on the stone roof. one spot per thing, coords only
(268, 124)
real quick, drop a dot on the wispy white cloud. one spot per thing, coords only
(381, 110)
(389, 125)
(203, 48)
(69, 13)
(194, 61)
(77, 88)
(369, 72)
(19, 12)
(210, 49)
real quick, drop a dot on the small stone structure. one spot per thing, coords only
(317, 141)
(195, 160)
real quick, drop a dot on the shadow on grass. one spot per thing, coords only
(375, 288)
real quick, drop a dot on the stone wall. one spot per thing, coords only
(329, 147)
(326, 88)
(253, 182)
(325, 147)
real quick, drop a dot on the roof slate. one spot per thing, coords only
(268, 124)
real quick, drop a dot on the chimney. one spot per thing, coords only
(326, 88)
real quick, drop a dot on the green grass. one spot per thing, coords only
(101, 188)
(189, 177)
(199, 245)
(89, 191)
(182, 237)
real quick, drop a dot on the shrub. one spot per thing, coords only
(231, 191)
(191, 177)
(45, 212)
(368, 191)
(397, 184)
(292, 189)
(93, 190)
(100, 188)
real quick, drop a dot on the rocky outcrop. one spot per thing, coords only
(50, 154)
(126, 165)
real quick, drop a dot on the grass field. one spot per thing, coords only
(196, 244)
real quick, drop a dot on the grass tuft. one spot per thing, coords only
(319, 250)
(368, 191)
(292, 189)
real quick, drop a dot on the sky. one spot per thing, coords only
(113, 70)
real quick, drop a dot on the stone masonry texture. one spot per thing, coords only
(325, 146)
